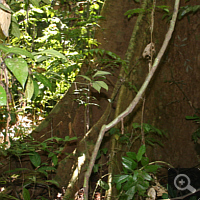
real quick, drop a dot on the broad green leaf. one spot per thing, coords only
(55, 160)
(141, 189)
(16, 50)
(111, 54)
(135, 175)
(129, 183)
(102, 84)
(53, 52)
(103, 184)
(26, 194)
(20, 51)
(43, 172)
(101, 73)
(86, 77)
(35, 2)
(29, 88)
(144, 161)
(152, 168)
(35, 159)
(19, 68)
(5, 8)
(118, 186)
(120, 178)
(4, 48)
(43, 79)
(129, 163)
(130, 193)
(41, 58)
(3, 97)
(36, 89)
(146, 176)
(131, 155)
(96, 86)
(53, 182)
(141, 151)
(15, 27)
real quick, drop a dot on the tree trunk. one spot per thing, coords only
(166, 104)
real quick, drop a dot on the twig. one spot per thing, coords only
(135, 100)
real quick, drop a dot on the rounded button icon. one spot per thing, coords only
(183, 183)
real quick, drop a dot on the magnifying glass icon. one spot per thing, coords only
(182, 182)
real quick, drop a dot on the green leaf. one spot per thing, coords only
(152, 168)
(46, 1)
(43, 79)
(104, 150)
(35, 159)
(146, 176)
(43, 172)
(15, 27)
(47, 168)
(16, 170)
(131, 155)
(96, 86)
(53, 52)
(86, 77)
(118, 186)
(130, 193)
(141, 151)
(36, 89)
(26, 194)
(67, 138)
(129, 13)
(16, 50)
(103, 184)
(53, 182)
(55, 160)
(192, 117)
(120, 178)
(144, 161)
(35, 3)
(111, 54)
(101, 73)
(3, 97)
(129, 163)
(102, 84)
(29, 88)
(129, 183)
(96, 168)
(136, 125)
(5, 8)
(165, 196)
(19, 68)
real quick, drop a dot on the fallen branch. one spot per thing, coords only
(135, 101)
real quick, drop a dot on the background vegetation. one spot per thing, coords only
(64, 55)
